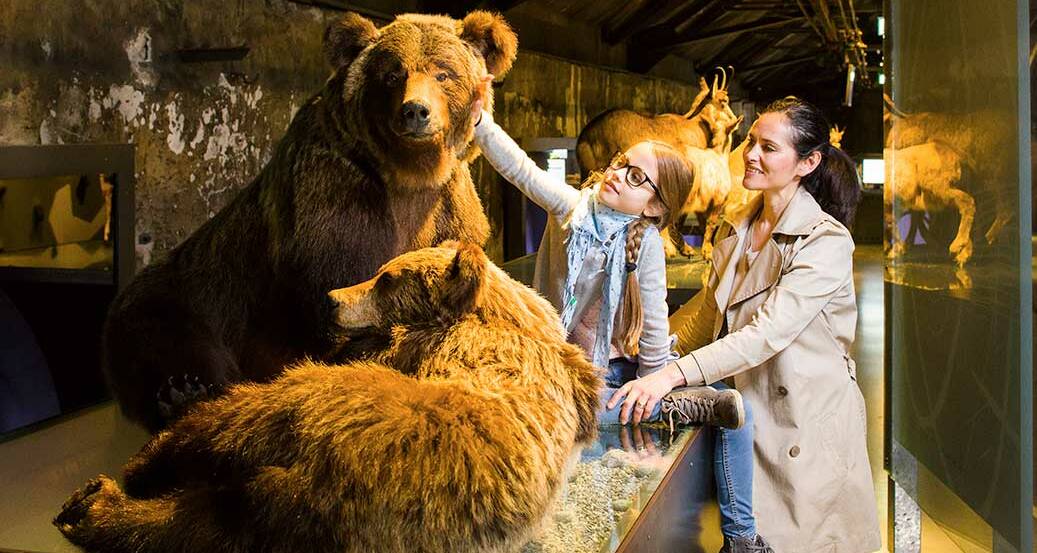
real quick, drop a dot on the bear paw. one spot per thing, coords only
(178, 394)
(77, 514)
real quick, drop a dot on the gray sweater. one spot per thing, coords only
(559, 200)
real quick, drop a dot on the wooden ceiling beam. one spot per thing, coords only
(501, 5)
(680, 8)
(733, 55)
(707, 13)
(680, 11)
(628, 20)
(344, 6)
(734, 30)
(649, 17)
(642, 50)
(767, 65)
(648, 47)
(460, 8)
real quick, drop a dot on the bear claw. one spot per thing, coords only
(178, 394)
(76, 508)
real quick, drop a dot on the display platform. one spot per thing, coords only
(633, 489)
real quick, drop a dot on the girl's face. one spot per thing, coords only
(617, 192)
(771, 161)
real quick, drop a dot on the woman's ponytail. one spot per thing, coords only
(834, 184)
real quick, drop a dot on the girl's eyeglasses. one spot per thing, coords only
(635, 176)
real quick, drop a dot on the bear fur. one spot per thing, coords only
(374, 165)
(455, 437)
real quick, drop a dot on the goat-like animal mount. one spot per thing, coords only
(710, 190)
(718, 115)
(978, 137)
(707, 125)
(835, 136)
(926, 178)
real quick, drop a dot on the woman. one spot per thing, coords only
(779, 315)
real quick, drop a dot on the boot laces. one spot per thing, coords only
(746, 545)
(691, 409)
(758, 546)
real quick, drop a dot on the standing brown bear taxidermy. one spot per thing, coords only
(374, 165)
(455, 438)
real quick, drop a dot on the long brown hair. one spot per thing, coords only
(674, 182)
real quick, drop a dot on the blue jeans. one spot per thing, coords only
(732, 454)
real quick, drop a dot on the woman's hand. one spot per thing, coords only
(482, 93)
(643, 394)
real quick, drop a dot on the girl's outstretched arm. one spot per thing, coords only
(557, 198)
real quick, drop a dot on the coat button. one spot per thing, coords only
(783, 391)
(794, 452)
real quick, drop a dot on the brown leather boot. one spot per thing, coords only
(704, 405)
(745, 545)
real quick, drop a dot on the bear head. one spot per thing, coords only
(409, 86)
(438, 286)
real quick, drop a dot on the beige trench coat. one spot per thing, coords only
(791, 322)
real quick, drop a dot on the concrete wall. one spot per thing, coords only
(117, 72)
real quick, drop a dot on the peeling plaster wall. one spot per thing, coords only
(109, 72)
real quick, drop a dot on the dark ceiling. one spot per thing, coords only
(775, 46)
(765, 40)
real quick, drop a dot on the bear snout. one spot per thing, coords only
(416, 117)
(422, 110)
(356, 307)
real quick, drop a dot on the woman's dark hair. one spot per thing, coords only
(834, 183)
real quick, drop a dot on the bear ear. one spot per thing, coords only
(492, 37)
(346, 38)
(465, 279)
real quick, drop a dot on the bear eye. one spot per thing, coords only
(442, 76)
(386, 280)
(393, 77)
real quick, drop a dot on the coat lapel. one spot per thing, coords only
(723, 254)
(725, 257)
(762, 274)
(800, 217)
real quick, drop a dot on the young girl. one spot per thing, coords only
(601, 262)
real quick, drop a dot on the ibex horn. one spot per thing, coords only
(732, 73)
(723, 81)
(891, 106)
(715, 77)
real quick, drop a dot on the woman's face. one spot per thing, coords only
(771, 161)
(616, 191)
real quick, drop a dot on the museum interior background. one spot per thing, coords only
(125, 125)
